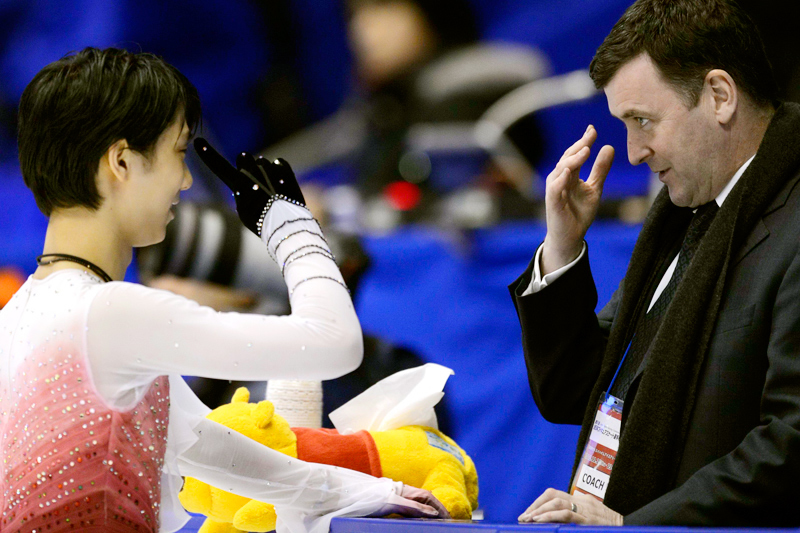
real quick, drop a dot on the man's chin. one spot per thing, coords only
(676, 198)
(679, 198)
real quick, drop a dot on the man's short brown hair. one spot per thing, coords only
(685, 40)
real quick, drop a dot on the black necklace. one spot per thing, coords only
(49, 259)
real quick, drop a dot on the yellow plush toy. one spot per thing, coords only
(416, 455)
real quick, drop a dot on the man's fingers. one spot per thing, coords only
(547, 496)
(544, 497)
(564, 178)
(557, 506)
(575, 161)
(601, 167)
(561, 516)
(551, 506)
(559, 183)
(586, 140)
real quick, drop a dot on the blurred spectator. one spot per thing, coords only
(406, 133)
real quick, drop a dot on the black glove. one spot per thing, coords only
(255, 183)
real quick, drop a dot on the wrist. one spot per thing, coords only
(283, 220)
(554, 257)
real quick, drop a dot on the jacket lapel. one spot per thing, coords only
(759, 233)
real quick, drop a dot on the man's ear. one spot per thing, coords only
(724, 94)
(118, 156)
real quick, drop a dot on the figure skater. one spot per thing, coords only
(96, 424)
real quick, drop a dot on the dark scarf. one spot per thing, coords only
(656, 427)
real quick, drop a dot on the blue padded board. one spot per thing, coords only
(370, 525)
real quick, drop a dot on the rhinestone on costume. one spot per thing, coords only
(40, 477)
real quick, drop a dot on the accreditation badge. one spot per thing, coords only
(598, 457)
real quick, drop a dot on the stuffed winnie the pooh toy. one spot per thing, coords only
(416, 455)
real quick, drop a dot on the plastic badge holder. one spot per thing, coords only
(600, 453)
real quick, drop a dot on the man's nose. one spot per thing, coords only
(638, 151)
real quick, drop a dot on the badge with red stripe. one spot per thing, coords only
(598, 457)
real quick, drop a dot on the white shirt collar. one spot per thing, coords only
(726, 191)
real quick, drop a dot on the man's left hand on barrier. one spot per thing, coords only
(558, 506)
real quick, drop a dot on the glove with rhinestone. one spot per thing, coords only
(255, 183)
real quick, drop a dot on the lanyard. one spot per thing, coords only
(638, 325)
(622, 362)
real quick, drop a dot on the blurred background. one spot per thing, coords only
(421, 131)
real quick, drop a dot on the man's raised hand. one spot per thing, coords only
(571, 203)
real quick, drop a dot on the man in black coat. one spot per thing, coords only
(708, 315)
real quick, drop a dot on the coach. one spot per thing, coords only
(707, 318)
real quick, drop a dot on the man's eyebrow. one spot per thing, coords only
(630, 113)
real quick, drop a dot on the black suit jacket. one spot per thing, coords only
(741, 458)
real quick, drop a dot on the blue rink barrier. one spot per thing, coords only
(383, 525)
(391, 525)
(388, 525)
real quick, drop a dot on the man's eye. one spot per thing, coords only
(642, 121)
